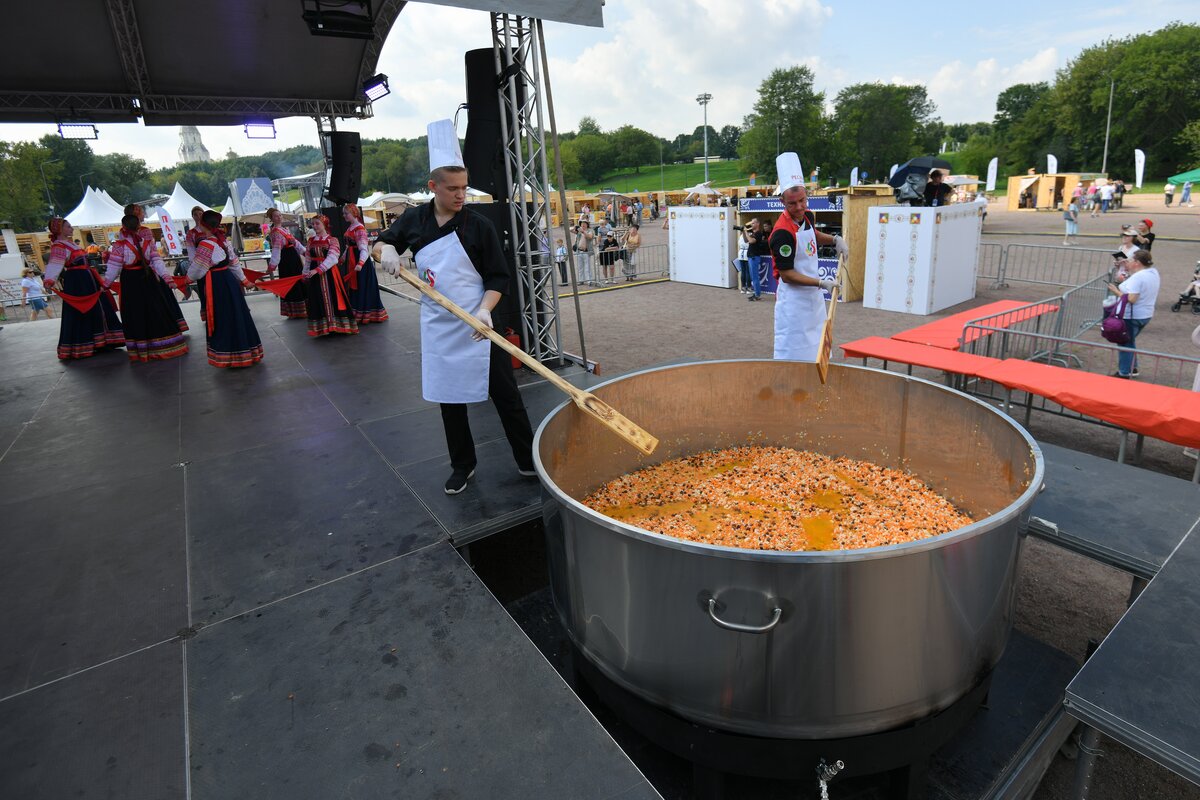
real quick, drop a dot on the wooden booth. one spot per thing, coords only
(1046, 192)
(837, 211)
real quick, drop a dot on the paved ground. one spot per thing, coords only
(1063, 600)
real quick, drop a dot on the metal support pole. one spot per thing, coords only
(562, 193)
(1085, 765)
(703, 100)
(1108, 125)
(45, 183)
(1136, 588)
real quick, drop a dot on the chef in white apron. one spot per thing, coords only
(458, 252)
(799, 296)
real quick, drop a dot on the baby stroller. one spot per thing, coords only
(1191, 295)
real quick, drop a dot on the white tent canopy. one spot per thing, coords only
(180, 204)
(108, 198)
(227, 209)
(94, 212)
(386, 200)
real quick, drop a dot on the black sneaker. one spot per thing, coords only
(458, 480)
(528, 473)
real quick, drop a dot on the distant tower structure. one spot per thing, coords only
(191, 148)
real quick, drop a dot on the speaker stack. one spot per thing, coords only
(345, 172)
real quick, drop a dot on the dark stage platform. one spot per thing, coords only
(222, 584)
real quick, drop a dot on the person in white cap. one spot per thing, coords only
(799, 297)
(458, 252)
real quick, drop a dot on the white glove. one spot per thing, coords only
(389, 259)
(840, 245)
(484, 316)
(827, 284)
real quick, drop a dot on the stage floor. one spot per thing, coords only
(222, 584)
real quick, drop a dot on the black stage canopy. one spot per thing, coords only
(223, 62)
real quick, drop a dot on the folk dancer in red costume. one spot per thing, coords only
(190, 240)
(362, 283)
(89, 317)
(151, 330)
(166, 287)
(799, 296)
(287, 253)
(233, 339)
(329, 309)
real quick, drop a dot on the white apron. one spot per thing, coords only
(454, 367)
(800, 310)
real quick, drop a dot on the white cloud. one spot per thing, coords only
(647, 65)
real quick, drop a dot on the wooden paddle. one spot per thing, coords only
(827, 329)
(586, 401)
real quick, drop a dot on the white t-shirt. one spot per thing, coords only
(1106, 191)
(35, 288)
(1144, 283)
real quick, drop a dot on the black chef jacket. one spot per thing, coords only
(418, 227)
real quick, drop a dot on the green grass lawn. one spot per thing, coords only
(672, 177)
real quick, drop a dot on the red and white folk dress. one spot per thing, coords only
(329, 309)
(166, 287)
(152, 332)
(89, 316)
(287, 253)
(233, 339)
(362, 283)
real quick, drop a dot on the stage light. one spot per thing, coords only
(377, 87)
(78, 130)
(351, 19)
(260, 130)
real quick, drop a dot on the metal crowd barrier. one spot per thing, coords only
(991, 261)
(1049, 265)
(1165, 369)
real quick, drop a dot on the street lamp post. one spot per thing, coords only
(662, 175)
(81, 177)
(703, 99)
(45, 183)
(1112, 84)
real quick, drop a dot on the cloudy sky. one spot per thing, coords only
(650, 60)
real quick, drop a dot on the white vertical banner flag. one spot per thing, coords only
(892, 171)
(1051, 164)
(854, 177)
(993, 166)
(1139, 166)
(169, 234)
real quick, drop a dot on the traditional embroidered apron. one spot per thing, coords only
(800, 310)
(454, 367)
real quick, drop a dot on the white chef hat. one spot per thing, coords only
(789, 171)
(443, 145)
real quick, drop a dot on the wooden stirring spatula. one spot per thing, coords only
(586, 401)
(826, 350)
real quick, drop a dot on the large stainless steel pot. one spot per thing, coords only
(797, 645)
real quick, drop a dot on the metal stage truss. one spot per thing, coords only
(515, 42)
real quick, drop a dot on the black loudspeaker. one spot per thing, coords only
(345, 175)
(483, 149)
(337, 224)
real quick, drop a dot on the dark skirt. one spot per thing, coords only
(234, 341)
(365, 301)
(83, 335)
(324, 316)
(292, 305)
(168, 295)
(152, 332)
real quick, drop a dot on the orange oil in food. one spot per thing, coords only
(776, 498)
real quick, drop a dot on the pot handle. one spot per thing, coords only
(734, 626)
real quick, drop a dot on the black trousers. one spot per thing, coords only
(502, 387)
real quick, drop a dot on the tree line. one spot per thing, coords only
(1154, 79)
